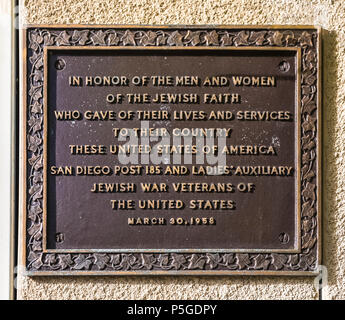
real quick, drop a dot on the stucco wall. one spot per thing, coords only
(330, 15)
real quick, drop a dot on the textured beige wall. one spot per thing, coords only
(330, 14)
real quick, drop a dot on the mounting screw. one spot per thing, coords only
(284, 66)
(60, 237)
(284, 238)
(60, 64)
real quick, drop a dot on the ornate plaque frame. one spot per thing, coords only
(40, 262)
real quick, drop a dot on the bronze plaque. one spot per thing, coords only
(172, 150)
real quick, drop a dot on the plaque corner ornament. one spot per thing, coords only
(305, 262)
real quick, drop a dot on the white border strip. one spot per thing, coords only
(5, 147)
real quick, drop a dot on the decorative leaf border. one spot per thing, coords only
(38, 262)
